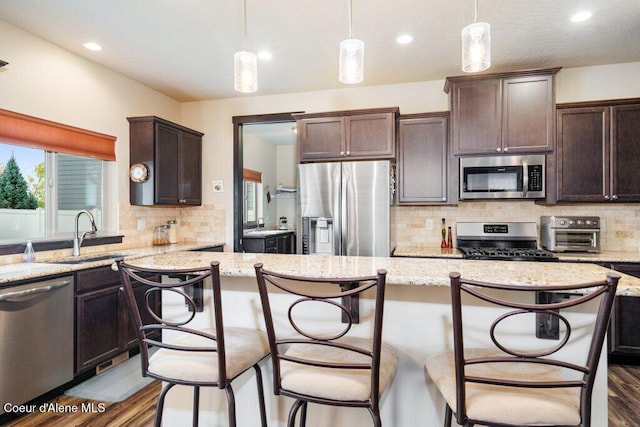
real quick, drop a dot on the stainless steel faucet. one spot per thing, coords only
(77, 239)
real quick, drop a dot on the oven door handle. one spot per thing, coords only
(525, 179)
(34, 291)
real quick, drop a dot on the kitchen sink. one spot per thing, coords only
(81, 260)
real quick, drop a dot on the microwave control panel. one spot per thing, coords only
(535, 178)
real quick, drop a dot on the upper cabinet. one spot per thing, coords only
(503, 113)
(423, 159)
(598, 152)
(166, 163)
(347, 135)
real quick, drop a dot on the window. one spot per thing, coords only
(48, 172)
(252, 188)
(41, 192)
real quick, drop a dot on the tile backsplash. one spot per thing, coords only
(620, 223)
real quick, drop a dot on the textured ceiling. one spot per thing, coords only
(184, 48)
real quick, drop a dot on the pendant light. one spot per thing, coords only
(351, 68)
(476, 46)
(245, 64)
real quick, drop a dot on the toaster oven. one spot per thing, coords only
(570, 233)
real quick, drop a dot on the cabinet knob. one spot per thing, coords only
(182, 201)
(348, 153)
(614, 197)
(606, 196)
(498, 149)
(342, 153)
(506, 149)
(121, 289)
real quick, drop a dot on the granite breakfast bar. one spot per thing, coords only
(417, 323)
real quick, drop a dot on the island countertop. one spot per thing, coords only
(400, 271)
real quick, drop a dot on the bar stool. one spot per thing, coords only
(193, 357)
(524, 383)
(325, 365)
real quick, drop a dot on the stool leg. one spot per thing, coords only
(293, 411)
(375, 415)
(303, 415)
(447, 416)
(160, 405)
(196, 405)
(231, 405)
(263, 411)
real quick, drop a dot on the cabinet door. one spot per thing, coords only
(527, 114)
(166, 163)
(583, 154)
(190, 170)
(625, 153)
(477, 112)
(270, 246)
(253, 245)
(128, 329)
(98, 321)
(285, 244)
(371, 136)
(321, 138)
(422, 160)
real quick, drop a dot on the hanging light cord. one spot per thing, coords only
(350, 19)
(244, 12)
(476, 20)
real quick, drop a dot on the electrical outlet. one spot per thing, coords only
(218, 186)
(429, 224)
(140, 224)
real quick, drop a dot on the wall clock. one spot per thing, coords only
(138, 172)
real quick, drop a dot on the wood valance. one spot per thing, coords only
(251, 175)
(28, 131)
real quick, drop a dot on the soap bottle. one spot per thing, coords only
(29, 254)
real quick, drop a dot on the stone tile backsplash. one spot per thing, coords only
(620, 223)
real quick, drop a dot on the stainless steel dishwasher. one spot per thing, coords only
(36, 334)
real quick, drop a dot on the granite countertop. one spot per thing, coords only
(45, 266)
(262, 233)
(434, 252)
(400, 271)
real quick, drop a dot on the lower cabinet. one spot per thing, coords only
(624, 328)
(281, 243)
(103, 327)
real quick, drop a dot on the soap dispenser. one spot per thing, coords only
(29, 254)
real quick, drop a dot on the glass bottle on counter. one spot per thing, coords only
(172, 227)
(443, 243)
(449, 239)
(160, 235)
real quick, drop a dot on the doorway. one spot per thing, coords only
(253, 124)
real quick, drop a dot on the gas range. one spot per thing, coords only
(508, 241)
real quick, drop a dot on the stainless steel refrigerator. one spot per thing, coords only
(344, 208)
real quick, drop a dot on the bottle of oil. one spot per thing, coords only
(443, 243)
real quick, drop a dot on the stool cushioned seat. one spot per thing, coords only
(244, 348)
(500, 404)
(342, 384)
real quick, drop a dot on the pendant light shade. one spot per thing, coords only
(245, 64)
(245, 71)
(351, 61)
(351, 69)
(476, 46)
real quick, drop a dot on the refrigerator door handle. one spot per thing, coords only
(344, 212)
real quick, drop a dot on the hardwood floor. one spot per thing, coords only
(139, 409)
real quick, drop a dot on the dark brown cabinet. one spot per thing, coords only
(598, 152)
(347, 135)
(280, 243)
(503, 113)
(172, 156)
(624, 334)
(103, 328)
(423, 159)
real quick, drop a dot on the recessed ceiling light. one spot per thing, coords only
(92, 46)
(264, 55)
(581, 16)
(404, 39)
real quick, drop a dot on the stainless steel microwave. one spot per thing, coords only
(502, 177)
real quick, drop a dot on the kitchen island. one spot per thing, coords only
(417, 322)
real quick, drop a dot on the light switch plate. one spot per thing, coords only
(218, 186)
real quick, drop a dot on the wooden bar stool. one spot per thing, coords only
(326, 365)
(193, 357)
(521, 380)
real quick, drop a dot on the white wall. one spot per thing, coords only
(214, 117)
(48, 82)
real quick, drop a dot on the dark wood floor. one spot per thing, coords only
(139, 409)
